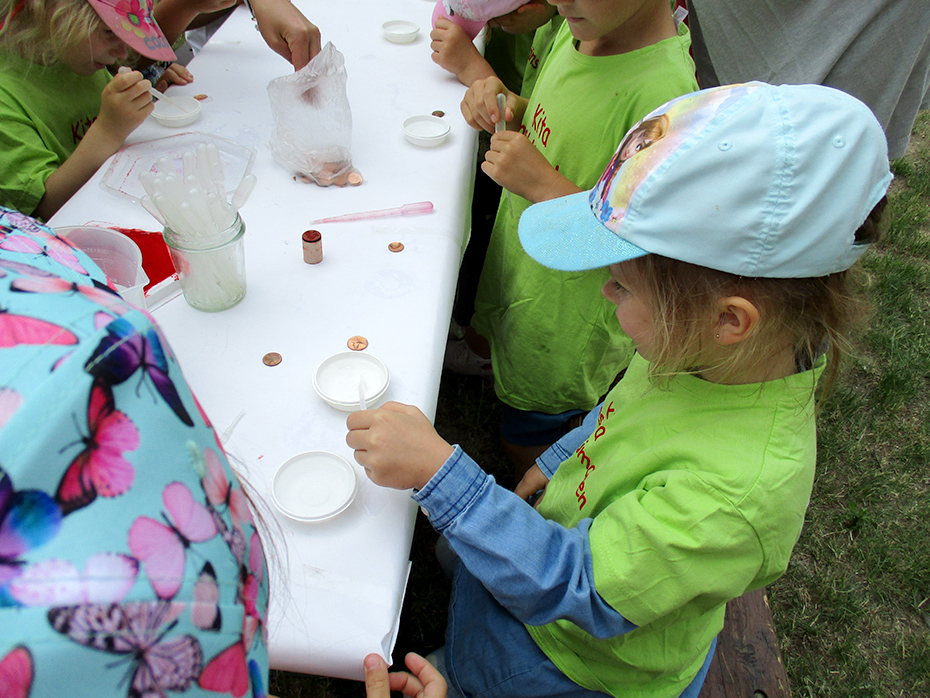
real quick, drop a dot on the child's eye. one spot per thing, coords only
(616, 289)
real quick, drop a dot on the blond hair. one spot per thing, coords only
(40, 31)
(814, 315)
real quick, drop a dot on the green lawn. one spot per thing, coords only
(853, 610)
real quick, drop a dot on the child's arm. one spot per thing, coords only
(175, 16)
(535, 561)
(286, 31)
(455, 52)
(175, 74)
(125, 102)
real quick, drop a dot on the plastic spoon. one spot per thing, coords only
(405, 210)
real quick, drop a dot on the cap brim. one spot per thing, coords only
(151, 44)
(564, 234)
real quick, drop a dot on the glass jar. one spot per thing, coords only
(211, 268)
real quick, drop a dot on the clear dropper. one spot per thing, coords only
(405, 210)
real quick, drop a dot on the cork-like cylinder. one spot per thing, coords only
(312, 246)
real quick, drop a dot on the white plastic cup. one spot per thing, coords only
(117, 255)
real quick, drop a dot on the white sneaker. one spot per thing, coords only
(462, 360)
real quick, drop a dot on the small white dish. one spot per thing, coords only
(400, 31)
(177, 112)
(314, 486)
(337, 380)
(426, 130)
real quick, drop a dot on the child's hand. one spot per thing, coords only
(425, 682)
(455, 52)
(397, 445)
(533, 481)
(124, 104)
(515, 164)
(175, 74)
(479, 106)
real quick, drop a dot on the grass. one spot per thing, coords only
(853, 610)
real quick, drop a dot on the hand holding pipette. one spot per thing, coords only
(405, 210)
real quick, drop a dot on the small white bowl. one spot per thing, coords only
(337, 380)
(400, 31)
(314, 486)
(180, 111)
(426, 131)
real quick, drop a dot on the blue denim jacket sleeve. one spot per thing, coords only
(553, 457)
(537, 569)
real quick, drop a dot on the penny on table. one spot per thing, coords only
(272, 358)
(357, 343)
(396, 246)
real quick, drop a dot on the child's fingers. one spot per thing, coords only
(377, 684)
(431, 681)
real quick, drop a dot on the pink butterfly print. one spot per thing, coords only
(206, 420)
(16, 673)
(106, 578)
(98, 293)
(53, 247)
(205, 610)
(230, 671)
(221, 493)
(100, 469)
(163, 547)
(22, 329)
(227, 672)
(137, 631)
(10, 401)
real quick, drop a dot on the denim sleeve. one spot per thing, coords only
(553, 457)
(537, 569)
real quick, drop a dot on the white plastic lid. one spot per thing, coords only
(314, 486)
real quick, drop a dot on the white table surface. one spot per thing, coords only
(337, 586)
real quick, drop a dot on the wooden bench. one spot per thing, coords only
(747, 663)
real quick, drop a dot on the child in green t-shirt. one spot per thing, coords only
(62, 114)
(553, 355)
(727, 223)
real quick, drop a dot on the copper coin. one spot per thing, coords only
(355, 179)
(357, 343)
(396, 246)
(272, 358)
(439, 112)
(200, 97)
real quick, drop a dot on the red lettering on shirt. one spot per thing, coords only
(79, 129)
(533, 59)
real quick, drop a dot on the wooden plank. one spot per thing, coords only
(747, 663)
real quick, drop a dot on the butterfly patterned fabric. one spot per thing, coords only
(129, 560)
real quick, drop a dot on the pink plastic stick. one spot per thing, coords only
(405, 210)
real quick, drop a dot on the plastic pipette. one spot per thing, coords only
(405, 210)
(501, 125)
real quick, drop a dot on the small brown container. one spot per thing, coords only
(313, 246)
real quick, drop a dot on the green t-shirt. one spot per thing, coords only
(697, 493)
(45, 112)
(555, 343)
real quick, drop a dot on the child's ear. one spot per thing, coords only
(738, 318)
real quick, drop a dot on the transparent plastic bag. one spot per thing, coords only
(312, 137)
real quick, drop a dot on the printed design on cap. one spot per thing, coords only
(134, 17)
(651, 143)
